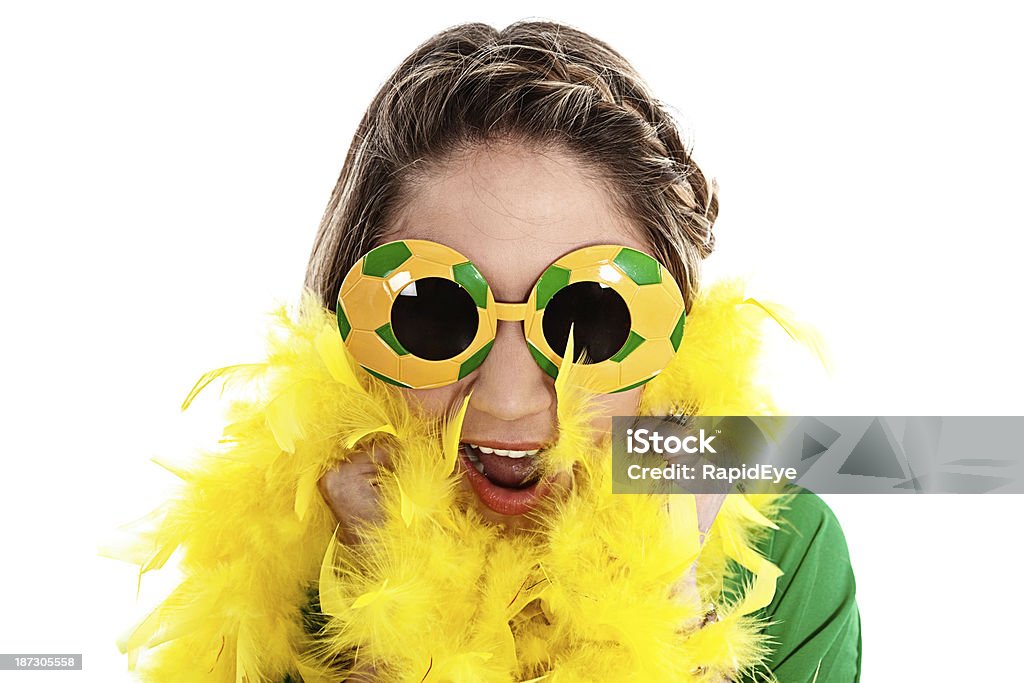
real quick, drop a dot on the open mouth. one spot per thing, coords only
(507, 481)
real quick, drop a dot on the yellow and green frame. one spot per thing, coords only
(655, 303)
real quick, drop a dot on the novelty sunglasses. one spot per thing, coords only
(419, 314)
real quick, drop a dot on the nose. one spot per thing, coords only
(510, 385)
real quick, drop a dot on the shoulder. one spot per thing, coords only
(808, 525)
(814, 619)
(810, 548)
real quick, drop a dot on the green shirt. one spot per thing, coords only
(815, 623)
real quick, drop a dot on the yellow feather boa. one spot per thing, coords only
(435, 593)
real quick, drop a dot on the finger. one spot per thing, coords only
(380, 455)
(350, 490)
(371, 457)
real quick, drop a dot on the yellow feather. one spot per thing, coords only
(743, 508)
(304, 491)
(358, 435)
(179, 472)
(452, 434)
(329, 590)
(336, 357)
(408, 507)
(284, 417)
(575, 409)
(800, 332)
(568, 360)
(246, 370)
(434, 592)
(370, 597)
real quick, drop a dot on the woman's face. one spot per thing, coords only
(512, 211)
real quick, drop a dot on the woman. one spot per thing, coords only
(514, 148)
(501, 153)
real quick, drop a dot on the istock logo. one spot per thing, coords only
(646, 441)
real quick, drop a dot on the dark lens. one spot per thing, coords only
(599, 316)
(434, 318)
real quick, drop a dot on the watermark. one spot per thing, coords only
(832, 454)
(12, 662)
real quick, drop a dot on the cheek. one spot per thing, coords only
(610, 405)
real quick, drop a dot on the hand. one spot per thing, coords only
(350, 490)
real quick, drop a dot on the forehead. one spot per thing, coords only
(513, 210)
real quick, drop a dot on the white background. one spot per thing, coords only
(163, 170)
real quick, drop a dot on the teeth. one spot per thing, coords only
(501, 451)
(474, 460)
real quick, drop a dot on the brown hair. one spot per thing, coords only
(539, 82)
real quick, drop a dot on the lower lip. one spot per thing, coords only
(502, 500)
